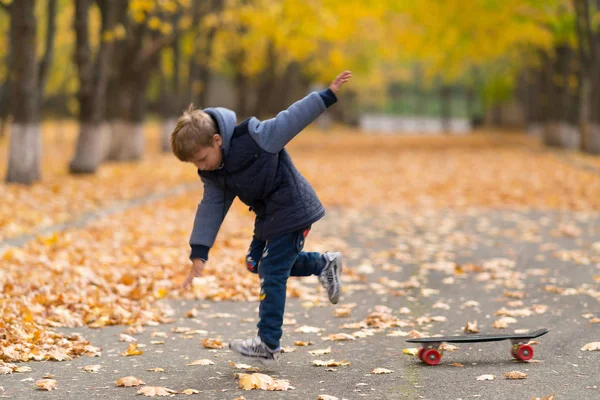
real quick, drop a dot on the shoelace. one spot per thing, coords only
(329, 275)
(253, 345)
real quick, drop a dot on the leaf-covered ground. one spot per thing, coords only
(437, 232)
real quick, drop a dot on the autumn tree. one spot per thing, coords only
(149, 29)
(28, 78)
(588, 37)
(93, 71)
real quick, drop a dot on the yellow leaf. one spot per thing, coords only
(132, 350)
(412, 351)
(208, 343)
(201, 362)
(381, 371)
(320, 352)
(129, 381)
(593, 346)
(46, 384)
(301, 343)
(92, 368)
(515, 375)
(151, 391)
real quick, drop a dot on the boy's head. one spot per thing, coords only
(196, 139)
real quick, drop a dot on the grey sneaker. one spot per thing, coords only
(255, 348)
(330, 277)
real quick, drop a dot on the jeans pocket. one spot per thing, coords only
(301, 238)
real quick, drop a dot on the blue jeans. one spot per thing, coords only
(275, 260)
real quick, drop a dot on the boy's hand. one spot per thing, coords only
(197, 267)
(339, 81)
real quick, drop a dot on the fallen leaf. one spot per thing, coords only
(515, 375)
(330, 363)
(378, 371)
(92, 368)
(22, 369)
(46, 384)
(190, 391)
(201, 362)
(308, 329)
(155, 370)
(326, 397)
(126, 338)
(129, 381)
(159, 335)
(341, 312)
(320, 352)
(593, 346)
(243, 366)
(212, 343)
(339, 337)
(503, 322)
(193, 313)
(471, 327)
(456, 364)
(151, 391)
(412, 351)
(287, 349)
(300, 343)
(415, 334)
(486, 378)
(132, 350)
(448, 347)
(6, 369)
(263, 382)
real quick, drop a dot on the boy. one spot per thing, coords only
(249, 161)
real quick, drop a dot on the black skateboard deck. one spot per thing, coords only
(431, 353)
(479, 338)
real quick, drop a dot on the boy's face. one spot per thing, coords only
(209, 158)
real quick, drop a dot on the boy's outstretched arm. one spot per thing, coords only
(209, 217)
(273, 134)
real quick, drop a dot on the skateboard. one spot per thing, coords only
(430, 352)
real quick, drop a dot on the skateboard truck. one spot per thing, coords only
(431, 351)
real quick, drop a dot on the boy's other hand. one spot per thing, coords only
(197, 267)
(339, 81)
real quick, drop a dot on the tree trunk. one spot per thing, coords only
(49, 50)
(93, 80)
(589, 54)
(170, 100)
(266, 83)
(25, 148)
(242, 92)
(6, 87)
(445, 108)
(127, 142)
(561, 128)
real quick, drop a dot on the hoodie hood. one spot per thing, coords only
(226, 121)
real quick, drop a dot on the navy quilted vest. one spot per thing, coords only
(269, 184)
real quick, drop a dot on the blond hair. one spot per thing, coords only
(195, 129)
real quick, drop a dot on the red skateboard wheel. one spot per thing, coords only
(525, 352)
(421, 351)
(431, 357)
